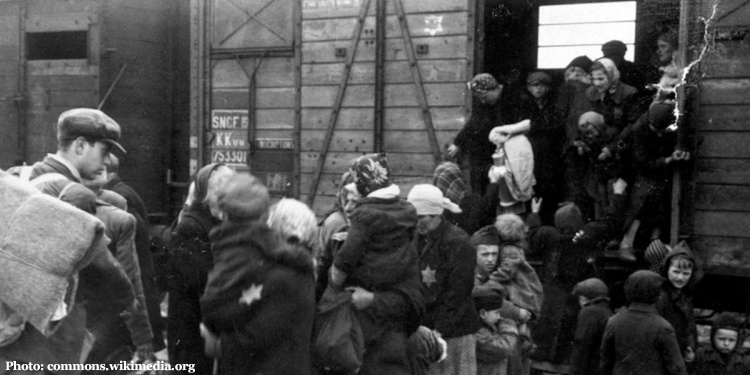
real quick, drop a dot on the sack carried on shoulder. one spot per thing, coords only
(338, 342)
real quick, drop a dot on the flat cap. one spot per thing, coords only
(89, 123)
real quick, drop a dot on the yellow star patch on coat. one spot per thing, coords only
(251, 294)
(428, 276)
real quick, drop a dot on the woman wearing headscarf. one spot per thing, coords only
(189, 263)
(477, 210)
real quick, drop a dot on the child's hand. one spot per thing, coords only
(496, 173)
(536, 204)
(212, 344)
(361, 298)
(689, 354)
(338, 276)
(606, 154)
(619, 186)
(524, 315)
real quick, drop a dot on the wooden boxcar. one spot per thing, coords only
(56, 55)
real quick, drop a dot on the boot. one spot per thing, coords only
(625, 252)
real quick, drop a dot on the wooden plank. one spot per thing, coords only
(724, 145)
(273, 72)
(272, 26)
(9, 25)
(313, 9)
(136, 24)
(722, 223)
(61, 67)
(444, 118)
(266, 98)
(362, 140)
(63, 98)
(58, 7)
(274, 119)
(37, 23)
(403, 164)
(725, 91)
(322, 204)
(68, 83)
(723, 117)
(723, 171)
(395, 72)
(722, 197)
(397, 95)
(722, 251)
(438, 24)
(440, 48)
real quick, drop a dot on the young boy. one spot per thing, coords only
(497, 339)
(722, 357)
(676, 302)
(637, 340)
(592, 295)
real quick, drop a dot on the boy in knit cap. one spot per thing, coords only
(723, 356)
(497, 339)
(637, 340)
(378, 250)
(592, 295)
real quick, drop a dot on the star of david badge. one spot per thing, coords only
(251, 294)
(428, 276)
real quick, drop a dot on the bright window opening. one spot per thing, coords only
(568, 31)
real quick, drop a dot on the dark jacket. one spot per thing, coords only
(571, 103)
(260, 301)
(708, 361)
(588, 337)
(447, 262)
(639, 341)
(137, 208)
(378, 249)
(473, 140)
(676, 305)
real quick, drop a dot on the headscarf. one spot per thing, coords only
(610, 69)
(449, 180)
(201, 187)
(593, 120)
(482, 83)
(370, 173)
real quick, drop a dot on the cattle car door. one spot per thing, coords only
(252, 108)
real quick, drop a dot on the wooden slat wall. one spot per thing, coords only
(721, 215)
(9, 38)
(442, 25)
(138, 33)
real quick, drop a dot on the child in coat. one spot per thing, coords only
(592, 319)
(723, 356)
(497, 339)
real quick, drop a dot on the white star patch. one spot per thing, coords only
(251, 294)
(428, 276)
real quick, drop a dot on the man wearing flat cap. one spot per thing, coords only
(446, 261)
(85, 137)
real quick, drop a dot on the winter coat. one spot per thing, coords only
(447, 262)
(473, 139)
(146, 260)
(519, 160)
(259, 301)
(378, 250)
(639, 341)
(520, 281)
(709, 361)
(111, 330)
(619, 108)
(100, 275)
(571, 103)
(494, 346)
(588, 337)
(676, 305)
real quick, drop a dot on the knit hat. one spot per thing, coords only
(370, 173)
(569, 219)
(486, 236)
(488, 296)
(655, 254)
(591, 288)
(449, 179)
(661, 115)
(429, 200)
(614, 48)
(725, 321)
(243, 197)
(583, 62)
(294, 220)
(539, 77)
(643, 286)
(483, 82)
(591, 119)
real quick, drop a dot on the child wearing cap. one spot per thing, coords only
(637, 340)
(497, 339)
(723, 356)
(592, 319)
(378, 250)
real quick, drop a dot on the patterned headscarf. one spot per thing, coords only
(370, 173)
(483, 82)
(449, 180)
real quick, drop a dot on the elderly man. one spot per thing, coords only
(447, 261)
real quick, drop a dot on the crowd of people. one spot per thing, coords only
(485, 274)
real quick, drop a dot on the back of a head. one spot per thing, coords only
(510, 227)
(294, 221)
(591, 288)
(569, 219)
(242, 197)
(614, 49)
(643, 286)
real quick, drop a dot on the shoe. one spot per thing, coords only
(625, 253)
